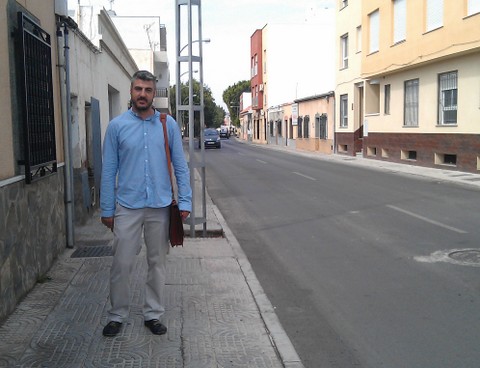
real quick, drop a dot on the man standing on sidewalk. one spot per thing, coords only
(135, 195)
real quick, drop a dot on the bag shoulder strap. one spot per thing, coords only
(163, 119)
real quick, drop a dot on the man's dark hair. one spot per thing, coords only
(144, 75)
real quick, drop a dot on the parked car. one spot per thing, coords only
(224, 132)
(211, 138)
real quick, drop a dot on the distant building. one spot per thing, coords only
(349, 88)
(246, 123)
(146, 39)
(285, 67)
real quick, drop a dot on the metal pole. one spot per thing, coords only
(67, 135)
(191, 108)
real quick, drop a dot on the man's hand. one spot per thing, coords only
(184, 214)
(108, 222)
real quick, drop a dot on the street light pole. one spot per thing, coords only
(206, 40)
(190, 59)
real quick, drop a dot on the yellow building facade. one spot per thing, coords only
(420, 64)
(349, 88)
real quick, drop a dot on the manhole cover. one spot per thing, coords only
(467, 256)
(93, 251)
(462, 257)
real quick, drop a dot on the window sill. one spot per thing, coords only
(372, 114)
(446, 126)
(373, 52)
(433, 30)
(410, 126)
(398, 43)
(471, 15)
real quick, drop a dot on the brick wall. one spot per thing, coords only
(466, 148)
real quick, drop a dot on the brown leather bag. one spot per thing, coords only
(176, 232)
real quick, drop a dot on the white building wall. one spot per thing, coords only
(296, 67)
(93, 73)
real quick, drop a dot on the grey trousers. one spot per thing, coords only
(126, 245)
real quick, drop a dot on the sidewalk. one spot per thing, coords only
(216, 311)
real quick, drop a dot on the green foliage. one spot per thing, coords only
(231, 97)
(213, 113)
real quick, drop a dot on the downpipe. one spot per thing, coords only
(64, 68)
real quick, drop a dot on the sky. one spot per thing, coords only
(229, 26)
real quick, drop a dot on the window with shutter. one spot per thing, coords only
(374, 31)
(473, 7)
(434, 14)
(399, 20)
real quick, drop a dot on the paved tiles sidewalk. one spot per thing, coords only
(216, 312)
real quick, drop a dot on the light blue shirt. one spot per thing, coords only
(135, 171)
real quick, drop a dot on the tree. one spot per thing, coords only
(231, 97)
(213, 113)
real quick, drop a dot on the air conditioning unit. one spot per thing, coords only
(260, 87)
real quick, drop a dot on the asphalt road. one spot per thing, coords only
(336, 248)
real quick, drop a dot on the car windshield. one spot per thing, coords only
(210, 132)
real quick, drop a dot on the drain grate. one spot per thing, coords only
(93, 251)
(467, 256)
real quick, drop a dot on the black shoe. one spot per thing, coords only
(112, 329)
(156, 327)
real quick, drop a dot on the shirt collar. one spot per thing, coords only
(155, 116)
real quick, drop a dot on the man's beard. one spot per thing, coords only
(142, 107)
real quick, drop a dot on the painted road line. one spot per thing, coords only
(261, 161)
(433, 222)
(305, 176)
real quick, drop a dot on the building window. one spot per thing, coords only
(359, 38)
(264, 61)
(374, 31)
(306, 126)
(299, 127)
(447, 98)
(344, 111)
(473, 7)
(434, 14)
(386, 105)
(344, 56)
(411, 103)
(321, 126)
(399, 20)
(36, 98)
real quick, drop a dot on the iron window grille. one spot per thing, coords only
(343, 111)
(447, 98)
(36, 99)
(321, 126)
(411, 103)
(306, 124)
